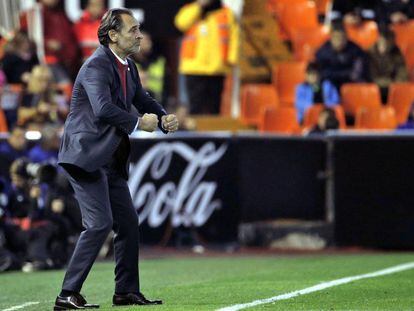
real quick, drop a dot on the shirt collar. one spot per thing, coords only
(123, 62)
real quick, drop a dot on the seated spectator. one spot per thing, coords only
(386, 63)
(394, 12)
(15, 147)
(313, 90)
(48, 147)
(342, 61)
(87, 27)
(151, 67)
(327, 120)
(19, 59)
(384, 12)
(40, 104)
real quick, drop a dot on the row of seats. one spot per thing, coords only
(298, 20)
(283, 120)
(261, 103)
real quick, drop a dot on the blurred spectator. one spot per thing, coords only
(40, 104)
(209, 49)
(386, 63)
(313, 90)
(19, 59)
(384, 12)
(48, 147)
(15, 147)
(86, 28)
(61, 47)
(151, 67)
(326, 121)
(341, 61)
(394, 12)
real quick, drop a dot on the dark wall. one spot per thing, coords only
(374, 191)
(278, 178)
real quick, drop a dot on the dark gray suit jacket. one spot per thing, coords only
(99, 117)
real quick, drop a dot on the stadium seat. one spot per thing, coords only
(312, 114)
(306, 41)
(403, 34)
(355, 95)
(298, 15)
(276, 6)
(3, 122)
(364, 35)
(376, 118)
(401, 97)
(279, 120)
(408, 53)
(285, 77)
(254, 97)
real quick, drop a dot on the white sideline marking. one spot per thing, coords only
(21, 306)
(315, 288)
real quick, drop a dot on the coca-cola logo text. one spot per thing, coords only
(190, 201)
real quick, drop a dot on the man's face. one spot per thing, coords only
(96, 8)
(17, 139)
(129, 37)
(338, 40)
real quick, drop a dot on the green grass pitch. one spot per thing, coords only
(209, 283)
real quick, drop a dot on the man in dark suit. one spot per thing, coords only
(94, 152)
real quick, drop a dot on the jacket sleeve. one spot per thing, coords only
(97, 86)
(145, 103)
(187, 16)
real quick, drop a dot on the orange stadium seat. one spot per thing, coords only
(285, 77)
(378, 118)
(3, 122)
(312, 114)
(403, 34)
(355, 95)
(401, 97)
(364, 35)
(277, 6)
(298, 15)
(408, 53)
(306, 41)
(254, 97)
(280, 120)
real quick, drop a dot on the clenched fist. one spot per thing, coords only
(148, 122)
(169, 122)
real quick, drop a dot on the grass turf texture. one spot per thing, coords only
(211, 283)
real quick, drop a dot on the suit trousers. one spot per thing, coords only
(105, 203)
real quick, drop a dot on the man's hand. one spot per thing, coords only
(148, 122)
(169, 122)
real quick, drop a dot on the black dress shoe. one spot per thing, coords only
(133, 299)
(74, 301)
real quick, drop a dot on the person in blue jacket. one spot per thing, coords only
(313, 90)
